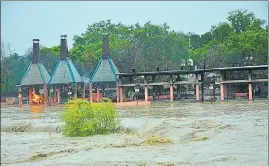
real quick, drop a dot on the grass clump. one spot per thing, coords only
(154, 140)
(83, 118)
(202, 138)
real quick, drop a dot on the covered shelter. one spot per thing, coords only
(35, 79)
(104, 76)
(65, 78)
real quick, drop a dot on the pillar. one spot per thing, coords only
(171, 90)
(98, 94)
(30, 95)
(250, 97)
(20, 97)
(58, 95)
(118, 94)
(45, 88)
(75, 91)
(90, 92)
(83, 91)
(197, 88)
(146, 88)
(121, 94)
(54, 95)
(222, 91)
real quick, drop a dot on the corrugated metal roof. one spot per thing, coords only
(65, 72)
(36, 74)
(105, 71)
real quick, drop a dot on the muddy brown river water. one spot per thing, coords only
(233, 133)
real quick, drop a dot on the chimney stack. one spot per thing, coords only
(105, 47)
(36, 51)
(64, 49)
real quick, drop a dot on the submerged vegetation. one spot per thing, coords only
(83, 118)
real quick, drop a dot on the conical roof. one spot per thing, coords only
(106, 69)
(65, 71)
(36, 73)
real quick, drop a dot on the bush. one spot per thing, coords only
(83, 118)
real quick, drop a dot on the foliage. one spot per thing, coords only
(83, 118)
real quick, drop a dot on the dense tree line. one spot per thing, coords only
(241, 40)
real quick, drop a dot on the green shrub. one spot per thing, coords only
(106, 99)
(83, 118)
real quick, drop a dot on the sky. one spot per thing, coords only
(23, 21)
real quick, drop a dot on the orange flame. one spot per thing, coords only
(36, 99)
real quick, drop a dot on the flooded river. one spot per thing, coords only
(233, 133)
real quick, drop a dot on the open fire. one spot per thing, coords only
(36, 99)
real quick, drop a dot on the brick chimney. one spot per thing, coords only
(64, 49)
(36, 52)
(105, 46)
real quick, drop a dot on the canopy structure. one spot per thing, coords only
(36, 73)
(65, 71)
(106, 69)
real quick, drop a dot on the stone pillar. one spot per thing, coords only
(90, 92)
(75, 91)
(45, 88)
(171, 90)
(146, 88)
(250, 97)
(83, 91)
(197, 88)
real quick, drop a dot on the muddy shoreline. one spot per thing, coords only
(233, 133)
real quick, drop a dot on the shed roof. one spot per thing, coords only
(36, 74)
(65, 72)
(105, 71)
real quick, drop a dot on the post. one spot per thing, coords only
(146, 88)
(221, 87)
(30, 95)
(250, 97)
(121, 94)
(197, 88)
(83, 91)
(90, 92)
(98, 94)
(75, 91)
(58, 94)
(54, 95)
(171, 89)
(45, 88)
(20, 97)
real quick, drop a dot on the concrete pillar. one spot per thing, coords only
(20, 97)
(197, 88)
(250, 97)
(83, 91)
(75, 91)
(146, 88)
(30, 95)
(90, 92)
(222, 91)
(121, 94)
(54, 95)
(45, 88)
(118, 93)
(98, 94)
(58, 95)
(171, 90)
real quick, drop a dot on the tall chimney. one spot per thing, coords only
(64, 49)
(105, 47)
(36, 51)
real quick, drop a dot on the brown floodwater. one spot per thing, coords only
(233, 133)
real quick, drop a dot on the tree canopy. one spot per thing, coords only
(241, 40)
